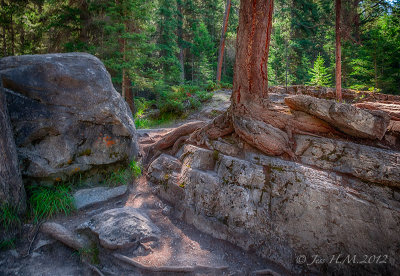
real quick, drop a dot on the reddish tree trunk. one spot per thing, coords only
(338, 52)
(250, 81)
(222, 41)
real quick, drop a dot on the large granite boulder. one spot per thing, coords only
(12, 190)
(347, 118)
(66, 115)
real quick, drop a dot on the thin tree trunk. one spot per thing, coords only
(4, 32)
(129, 94)
(12, 35)
(21, 38)
(375, 70)
(222, 41)
(124, 86)
(338, 52)
(180, 41)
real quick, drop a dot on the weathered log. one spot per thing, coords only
(392, 109)
(345, 117)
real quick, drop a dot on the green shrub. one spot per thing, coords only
(48, 201)
(9, 216)
(135, 169)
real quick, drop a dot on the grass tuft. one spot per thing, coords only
(47, 201)
(9, 216)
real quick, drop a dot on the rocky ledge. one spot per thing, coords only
(337, 197)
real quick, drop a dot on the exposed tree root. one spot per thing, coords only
(219, 127)
(178, 143)
(265, 137)
(171, 269)
(170, 139)
(63, 235)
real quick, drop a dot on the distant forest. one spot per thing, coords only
(150, 45)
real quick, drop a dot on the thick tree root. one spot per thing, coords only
(170, 139)
(171, 269)
(265, 137)
(219, 127)
(62, 234)
(270, 129)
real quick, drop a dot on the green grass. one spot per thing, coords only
(124, 176)
(135, 169)
(119, 177)
(90, 254)
(7, 244)
(46, 202)
(173, 102)
(164, 120)
(9, 216)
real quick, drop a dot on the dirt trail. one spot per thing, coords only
(180, 248)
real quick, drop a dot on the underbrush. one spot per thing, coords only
(172, 103)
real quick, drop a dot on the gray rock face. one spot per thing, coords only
(12, 190)
(347, 118)
(283, 209)
(67, 116)
(87, 197)
(367, 163)
(122, 228)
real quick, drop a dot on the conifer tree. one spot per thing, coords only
(319, 73)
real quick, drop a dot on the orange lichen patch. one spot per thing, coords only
(108, 141)
(69, 161)
(76, 169)
(58, 179)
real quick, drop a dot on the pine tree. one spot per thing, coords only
(319, 73)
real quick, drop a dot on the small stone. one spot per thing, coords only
(87, 197)
(166, 211)
(14, 253)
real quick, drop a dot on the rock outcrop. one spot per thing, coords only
(12, 192)
(66, 115)
(283, 210)
(347, 118)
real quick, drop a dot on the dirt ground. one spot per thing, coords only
(180, 245)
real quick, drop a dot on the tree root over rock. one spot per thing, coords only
(171, 269)
(62, 234)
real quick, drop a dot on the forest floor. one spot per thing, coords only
(180, 244)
